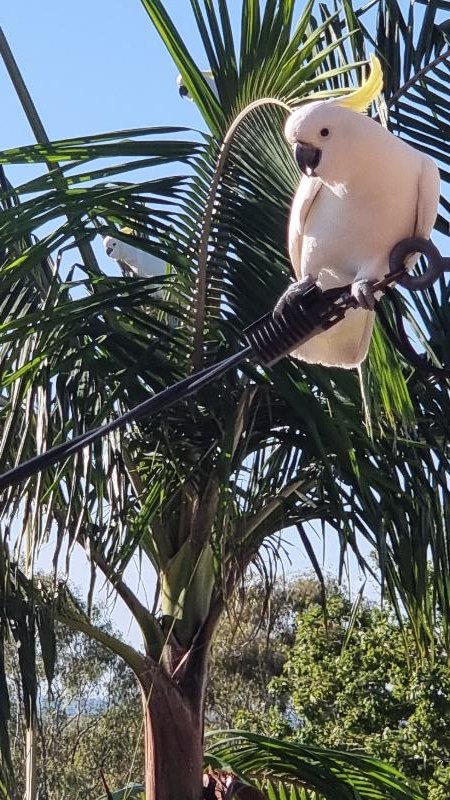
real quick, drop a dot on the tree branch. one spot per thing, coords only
(68, 616)
(35, 122)
(154, 639)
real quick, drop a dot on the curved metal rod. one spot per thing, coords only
(437, 264)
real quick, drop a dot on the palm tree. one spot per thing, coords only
(203, 492)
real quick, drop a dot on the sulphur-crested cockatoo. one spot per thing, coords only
(137, 261)
(362, 191)
(208, 76)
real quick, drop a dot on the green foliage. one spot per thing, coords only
(27, 626)
(366, 690)
(333, 774)
(348, 679)
(134, 791)
(250, 649)
(196, 494)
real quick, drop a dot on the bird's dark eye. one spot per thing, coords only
(324, 132)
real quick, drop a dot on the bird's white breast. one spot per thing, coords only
(351, 227)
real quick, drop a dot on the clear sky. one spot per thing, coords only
(98, 65)
(95, 66)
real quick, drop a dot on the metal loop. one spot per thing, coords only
(436, 263)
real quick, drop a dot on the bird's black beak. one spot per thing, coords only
(109, 250)
(183, 91)
(307, 157)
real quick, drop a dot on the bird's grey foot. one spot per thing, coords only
(362, 290)
(292, 295)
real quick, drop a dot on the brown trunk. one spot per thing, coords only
(173, 739)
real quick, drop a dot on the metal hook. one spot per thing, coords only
(437, 264)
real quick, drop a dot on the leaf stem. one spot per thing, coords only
(200, 315)
(417, 77)
(41, 137)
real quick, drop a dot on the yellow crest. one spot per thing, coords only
(361, 98)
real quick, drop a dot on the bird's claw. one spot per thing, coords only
(362, 291)
(292, 295)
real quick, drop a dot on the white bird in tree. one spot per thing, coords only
(139, 263)
(362, 190)
(208, 76)
(133, 259)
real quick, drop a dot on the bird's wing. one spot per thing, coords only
(427, 203)
(144, 264)
(428, 198)
(303, 200)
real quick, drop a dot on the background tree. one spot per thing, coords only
(88, 724)
(356, 684)
(199, 492)
(348, 679)
(250, 649)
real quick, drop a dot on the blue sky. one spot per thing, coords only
(98, 66)
(91, 67)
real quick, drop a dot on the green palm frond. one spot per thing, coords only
(78, 347)
(285, 769)
(28, 626)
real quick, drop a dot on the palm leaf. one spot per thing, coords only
(24, 624)
(78, 348)
(279, 765)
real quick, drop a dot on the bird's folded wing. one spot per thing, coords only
(303, 200)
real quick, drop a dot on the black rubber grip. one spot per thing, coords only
(272, 337)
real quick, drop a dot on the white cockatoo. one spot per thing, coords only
(137, 261)
(362, 190)
(208, 76)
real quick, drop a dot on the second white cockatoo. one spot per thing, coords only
(208, 76)
(137, 261)
(362, 190)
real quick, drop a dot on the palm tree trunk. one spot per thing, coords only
(173, 739)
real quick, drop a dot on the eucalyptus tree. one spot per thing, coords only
(204, 491)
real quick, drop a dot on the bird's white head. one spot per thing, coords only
(209, 78)
(328, 135)
(112, 247)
